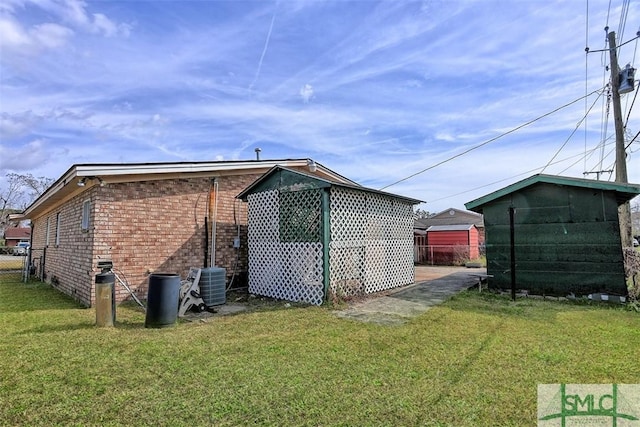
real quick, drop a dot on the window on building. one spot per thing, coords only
(58, 229)
(47, 233)
(86, 206)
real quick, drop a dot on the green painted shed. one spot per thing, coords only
(310, 237)
(563, 232)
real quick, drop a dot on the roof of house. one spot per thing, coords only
(462, 227)
(80, 177)
(624, 192)
(17, 233)
(296, 180)
(451, 216)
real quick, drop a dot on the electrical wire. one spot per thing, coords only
(619, 46)
(623, 17)
(589, 154)
(475, 147)
(635, 95)
(512, 177)
(586, 77)
(572, 133)
(604, 125)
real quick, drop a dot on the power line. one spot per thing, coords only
(586, 78)
(512, 177)
(572, 133)
(623, 17)
(489, 140)
(618, 47)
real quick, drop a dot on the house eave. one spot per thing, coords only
(67, 185)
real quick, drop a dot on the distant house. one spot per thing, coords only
(424, 249)
(563, 232)
(147, 217)
(453, 216)
(14, 235)
(311, 237)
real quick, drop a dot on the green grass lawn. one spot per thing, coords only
(473, 361)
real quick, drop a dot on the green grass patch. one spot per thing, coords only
(475, 360)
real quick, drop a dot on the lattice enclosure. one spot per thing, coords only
(370, 250)
(285, 247)
(371, 245)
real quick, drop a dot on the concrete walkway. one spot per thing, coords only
(433, 286)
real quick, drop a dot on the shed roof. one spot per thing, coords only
(459, 227)
(297, 180)
(624, 192)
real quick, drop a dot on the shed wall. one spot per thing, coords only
(370, 249)
(567, 240)
(371, 245)
(285, 254)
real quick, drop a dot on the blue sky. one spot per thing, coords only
(373, 90)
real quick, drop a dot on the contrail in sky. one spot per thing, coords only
(264, 50)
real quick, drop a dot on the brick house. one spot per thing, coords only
(15, 235)
(146, 217)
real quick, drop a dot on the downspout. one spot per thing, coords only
(326, 240)
(213, 214)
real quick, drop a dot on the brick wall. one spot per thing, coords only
(68, 262)
(159, 226)
(143, 227)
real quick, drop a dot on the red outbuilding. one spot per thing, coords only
(452, 244)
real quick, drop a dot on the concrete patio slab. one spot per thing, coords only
(399, 305)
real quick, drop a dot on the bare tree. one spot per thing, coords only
(18, 193)
(10, 198)
(421, 214)
(35, 186)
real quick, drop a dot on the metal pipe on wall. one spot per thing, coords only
(213, 214)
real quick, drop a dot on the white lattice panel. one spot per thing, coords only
(292, 271)
(371, 245)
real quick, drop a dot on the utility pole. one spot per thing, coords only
(624, 212)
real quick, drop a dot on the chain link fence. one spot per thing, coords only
(22, 267)
(442, 254)
(12, 267)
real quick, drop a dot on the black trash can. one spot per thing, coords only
(163, 298)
